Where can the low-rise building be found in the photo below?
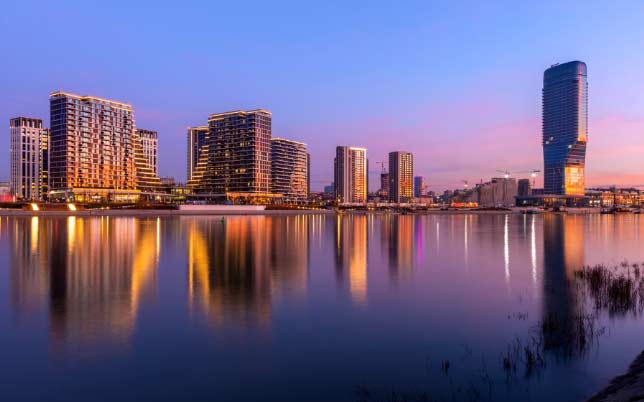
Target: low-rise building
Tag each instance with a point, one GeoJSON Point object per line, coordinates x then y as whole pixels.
{"type": "Point", "coordinates": [5, 192]}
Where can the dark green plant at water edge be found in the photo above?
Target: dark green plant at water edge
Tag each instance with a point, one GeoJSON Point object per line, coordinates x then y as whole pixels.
{"type": "Point", "coordinates": [618, 289]}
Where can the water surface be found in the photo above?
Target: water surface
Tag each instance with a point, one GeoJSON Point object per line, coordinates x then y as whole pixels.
{"type": "Point", "coordinates": [294, 308]}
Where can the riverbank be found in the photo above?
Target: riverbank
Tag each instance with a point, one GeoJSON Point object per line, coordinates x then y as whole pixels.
{"type": "Point", "coordinates": [164, 212]}
{"type": "Point", "coordinates": [271, 212]}
{"type": "Point", "coordinates": [628, 387]}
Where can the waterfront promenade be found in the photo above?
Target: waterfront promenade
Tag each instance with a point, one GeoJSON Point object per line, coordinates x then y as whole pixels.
{"type": "Point", "coordinates": [272, 212]}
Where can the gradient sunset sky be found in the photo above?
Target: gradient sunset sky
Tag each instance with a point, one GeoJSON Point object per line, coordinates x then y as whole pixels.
{"type": "Point", "coordinates": [459, 85]}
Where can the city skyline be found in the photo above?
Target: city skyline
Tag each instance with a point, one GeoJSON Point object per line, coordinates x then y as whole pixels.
{"type": "Point", "coordinates": [497, 89]}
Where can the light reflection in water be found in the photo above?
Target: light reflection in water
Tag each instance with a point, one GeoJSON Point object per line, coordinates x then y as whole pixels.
{"type": "Point", "coordinates": [466, 241]}
{"type": "Point", "coordinates": [92, 278]}
{"type": "Point", "coordinates": [533, 249]}
{"type": "Point", "coordinates": [563, 243]}
{"type": "Point", "coordinates": [351, 255]}
{"type": "Point", "coordinates": [237, 265]}
{"type": "Point", "coordinates": [95, 278]}
{"type": "Point", "coordinates": [71, 234]}
{"type": "Point", "coordinates": [506, 249]}
{"type": "Point", "coordinates": [34, 234]}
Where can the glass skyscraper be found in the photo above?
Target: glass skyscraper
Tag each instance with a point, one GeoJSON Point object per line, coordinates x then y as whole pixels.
{"type": "Point", "coordinates": [565, 128]}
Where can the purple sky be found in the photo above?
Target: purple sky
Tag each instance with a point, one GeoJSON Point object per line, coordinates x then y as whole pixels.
{"type": "Point", "coordinates": [459, 85]}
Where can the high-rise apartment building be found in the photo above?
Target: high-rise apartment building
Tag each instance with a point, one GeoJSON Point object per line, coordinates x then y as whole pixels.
{"type": "Point", "coordinates": [308, 174]}
{"type": "Point", "coordinates": [350, 174]}
{"type": "Point", "coordinates": [401, 174]}
{"type": "Point", "coordinates": [197, 145]}
{"type": "Point", "coordinates": [29, 158]}
{"type": "Point", "coordinates": [150, 148]}
{"type": "Point", "coordinates": [289, 169]}
{"type": "Point", "coordinates": [565, 128]}
{"type": "Point", "coordinates": [420, 188]}
{"type": "Point", "coordinates": [92, 149]}
{"type": "Point", "coordinates": [237, 162]}
{"type": "Point", "coordinates": [145, 160]}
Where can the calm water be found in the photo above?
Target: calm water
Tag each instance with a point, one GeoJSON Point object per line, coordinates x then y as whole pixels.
{"type": "Point", "coordinates": [298, 308]}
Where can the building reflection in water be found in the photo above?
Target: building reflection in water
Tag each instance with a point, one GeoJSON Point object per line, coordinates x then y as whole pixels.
{"type": "Point", "coordinates": [399, 238]}
{"type": "Point", "coordinates": [29, 278]}
{"type": "Point", "coordinates": [563, 254]}
{"type": "Point", "coordinates": [237, 265]}
{"type": "Point", "coordinates": [93, 273]}
{"type": "Point", "coordinates": [351, 255]}
{"type": "Point", "coordinates": [533, 248]}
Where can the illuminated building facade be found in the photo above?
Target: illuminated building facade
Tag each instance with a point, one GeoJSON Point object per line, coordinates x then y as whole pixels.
{"type": "Point", "coordinates": [237, 161]}
{"type": "Point", "coordinates": [5, 192]}
{"type": "Point", "coordinates": [29, 158]}
{"type": "Point", "coordinates": [197, 144]}
{"type": "Point", "coordinates": [92, 147]}
{"type": "Point", "coordinates": [145, 161]}
{"type": "Point", "coordinates": [565, 128]}
{"type": "Point", "coordinates": [150, 146]}
{"type": "Point", "coordinates": [401, 176]}
{"type": "Point", "coordinates": [289, 169]}
{"type": "Point", "coordinates": [308, 174]}
{"type": "Point", "coordinates": [350, 174]}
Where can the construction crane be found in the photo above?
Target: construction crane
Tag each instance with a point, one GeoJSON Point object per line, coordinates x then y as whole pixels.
{"type": "Point", "coordinates": [382, 164]}
{"type": "Point", "coordinates": [533, 174]}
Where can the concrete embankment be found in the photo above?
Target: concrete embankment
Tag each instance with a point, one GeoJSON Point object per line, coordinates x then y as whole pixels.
{"type": "Point", "coordinates": [625, 388]}
{"type": "Point", "coordinates": [163, 212]}
{"type": "Point", "coordinates": [269, 212]}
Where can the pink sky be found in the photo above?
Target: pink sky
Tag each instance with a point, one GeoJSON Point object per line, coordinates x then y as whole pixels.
{"type": "Point", "coordinates": [470, 141]}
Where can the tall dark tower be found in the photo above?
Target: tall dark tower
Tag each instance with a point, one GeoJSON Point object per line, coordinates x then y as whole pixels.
{"type": "Point", "coordinates": [565, 128]}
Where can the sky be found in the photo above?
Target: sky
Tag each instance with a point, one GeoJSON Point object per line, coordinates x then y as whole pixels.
{"type": "Point", "coordinates": [456, 83]}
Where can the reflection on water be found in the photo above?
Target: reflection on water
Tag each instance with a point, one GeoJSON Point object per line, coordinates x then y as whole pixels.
{"type": "Point", "coordinates": [384, 289]}
{"type": "Point", "coordinates": [563, 237]}
{"type": "Point", "coordinates": [351, 255]}
{"type": "Point", "coordinates": [398, 244]}
{"type": "Point", "coordinates": [92, 273]}
{"type": "Point", "coordinates": [235, 266]}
